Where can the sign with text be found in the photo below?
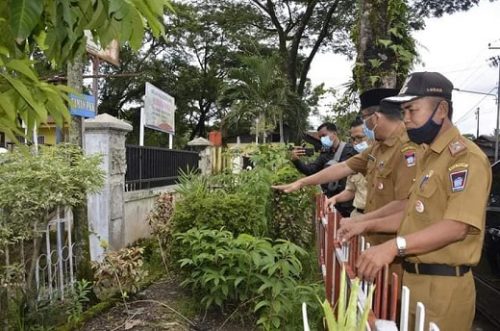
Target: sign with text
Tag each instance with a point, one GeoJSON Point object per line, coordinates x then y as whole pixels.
{"type": "Point", "coordinates": [159, 110]}
{"type": "Point", "coordinates": [82, 105]}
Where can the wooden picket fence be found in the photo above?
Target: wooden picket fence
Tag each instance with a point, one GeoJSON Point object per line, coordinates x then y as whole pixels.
{"type": "Point", "coordinates": [333, 256]}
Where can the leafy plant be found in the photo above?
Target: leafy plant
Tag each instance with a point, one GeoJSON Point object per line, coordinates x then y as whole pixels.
{"type": "Point", "coordinates": [240, 203]}
{"type": "Point", "coordinates": [349, 317]}
{"type": "Point", "coordinates": [34, 185]}
{"type": "Point", "coordinates": [292, 212]}
{"type": "Point", "coordinates": [57, 29]}
{"type": "Point", "coordinates": [223, 270]}
{"type": "Point", "coordinates": [159, 219]}
{"type": "Point", "coordinates": [78, 299]}
{"type": "Point", "coordinates": [119, 270]}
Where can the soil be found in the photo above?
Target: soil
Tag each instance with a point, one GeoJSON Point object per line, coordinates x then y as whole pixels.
{"type": "Point", "coordinates": [164, 305]}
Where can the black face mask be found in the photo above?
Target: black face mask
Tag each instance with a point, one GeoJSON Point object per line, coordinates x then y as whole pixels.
{"type": "Point", "coordinates": [427, 132]}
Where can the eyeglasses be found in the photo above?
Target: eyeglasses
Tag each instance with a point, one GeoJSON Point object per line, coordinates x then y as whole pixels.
{"type": "Point", "coordinates": [366, 116]}
{"type": "Point", "coordinates": [358, 139]}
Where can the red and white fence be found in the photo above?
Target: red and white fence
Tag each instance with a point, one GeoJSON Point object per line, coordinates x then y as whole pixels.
{"type": "Point", "coordinates": [333, 256]}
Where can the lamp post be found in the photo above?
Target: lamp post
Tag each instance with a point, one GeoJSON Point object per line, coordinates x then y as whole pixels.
{"type": "Point", "coordinates": [498, 107]}
{"type": "Point", "coordinates": [498, 113]}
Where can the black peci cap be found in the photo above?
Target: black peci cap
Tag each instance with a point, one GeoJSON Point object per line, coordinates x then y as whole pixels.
{"type": "Point", "coordinates": [423, 84]}
{"type": "Point", "coordinates": [390, 108]}
{"type": "Point", "coordinates": [373, 97]}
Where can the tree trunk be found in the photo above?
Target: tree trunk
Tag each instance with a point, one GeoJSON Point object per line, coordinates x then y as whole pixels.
{"type": "Point", "coordinates": [373, 25]}
{"type": "Point", "coordinates": [282, 133]}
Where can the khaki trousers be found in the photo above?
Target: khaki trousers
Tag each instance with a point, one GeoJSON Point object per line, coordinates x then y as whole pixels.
{"type": "Point", "coordinates": [449, 301]}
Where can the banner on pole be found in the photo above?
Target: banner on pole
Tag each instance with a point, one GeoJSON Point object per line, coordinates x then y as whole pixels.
{"type": "Point", "coordinates": [159, 110]}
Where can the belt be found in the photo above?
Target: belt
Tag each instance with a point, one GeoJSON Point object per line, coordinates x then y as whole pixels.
{"type": "Point", "coordinates": [359, 210]}
{"type": "Point", "coordinates": [435, 269]}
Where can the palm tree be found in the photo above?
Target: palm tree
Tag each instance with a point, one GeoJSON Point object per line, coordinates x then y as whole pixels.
{"type": "Point", "coordinates": [258, 90]}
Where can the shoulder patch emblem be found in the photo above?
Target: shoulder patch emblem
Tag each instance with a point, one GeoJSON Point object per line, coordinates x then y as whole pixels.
{"type": "Point", "coordinates": [458, 165]}
{"type": "Point", "coordinates": [456, 147]}
{"type": "Point", "coordinates": [410, 158]}
{"type": "Point", "coordinates": [458, 180]}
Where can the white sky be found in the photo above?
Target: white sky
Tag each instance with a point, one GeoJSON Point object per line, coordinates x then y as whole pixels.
{"type": "Point", "coordinates": [455, 45]}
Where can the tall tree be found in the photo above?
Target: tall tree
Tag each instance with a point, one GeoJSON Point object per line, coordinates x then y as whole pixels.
{"type": "Point", "coordinates": [258, 89]}
{"type": "Point", "coordinates": [57, 28]}
{"type": "Point", "coordinates": [191, 63]}
{"type": "Point", "coordinates": [301, 29]}
{"type": "Point", "coordinates": [385, 49]}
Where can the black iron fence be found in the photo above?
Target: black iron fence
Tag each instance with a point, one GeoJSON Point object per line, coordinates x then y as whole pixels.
{"type": "Point", "coordinates": [149, 167]}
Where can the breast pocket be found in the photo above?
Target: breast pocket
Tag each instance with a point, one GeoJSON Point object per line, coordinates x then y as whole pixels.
{"type": "Point", "coordinates": [384, 184]}
{"type": "Point", "coordinates": [426, 200]}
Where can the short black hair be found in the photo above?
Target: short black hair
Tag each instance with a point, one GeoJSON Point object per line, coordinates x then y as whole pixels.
{"type": "Point", "coordinates": [329, 126]}
{"type": "Point", "coordinates": [357, 122]}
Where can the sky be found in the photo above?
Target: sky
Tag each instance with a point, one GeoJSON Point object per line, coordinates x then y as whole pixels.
{"type": "Point", "coordinates": [454, 45]}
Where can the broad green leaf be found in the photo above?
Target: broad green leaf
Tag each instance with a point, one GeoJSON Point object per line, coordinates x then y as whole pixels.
{"type": "Point", "coordinates": [385, 42]}
{"type": "Point", "coordinates": [7, 104]}
{"type": "Point", "coordinates": [331, 324]}
{"type": "Point", "coordinates": [98, 17]}
{"type": "Point", "coordinates": [19, 86]}
{"type": "Point", "coordinates": [25, 15]}
{"type": "Point", "coordinates": [352, 307]}
{"type": "Point", "coordinates": [261, 304]}
{"type": "Point", "coordinates": [22, 66]}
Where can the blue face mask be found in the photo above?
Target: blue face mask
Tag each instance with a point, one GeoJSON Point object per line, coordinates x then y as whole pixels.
{"type": "Point", "coordinates": [326, 142]}
{"type": "Point", "coordinates": [361, 146]}
{"type": "Point", "coordinates": [369, 133]}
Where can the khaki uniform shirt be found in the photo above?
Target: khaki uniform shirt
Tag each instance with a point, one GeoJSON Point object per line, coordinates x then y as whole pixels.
{"type": "Point", "coordinates": [453, 182]}
{"type": "Point", "coordinates": [357, 183]}
{"type": "Point", "coordinates": [389, 167]}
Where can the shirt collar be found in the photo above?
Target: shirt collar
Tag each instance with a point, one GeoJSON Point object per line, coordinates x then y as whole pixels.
{"type": "Point", "coordinates": [444, 139]}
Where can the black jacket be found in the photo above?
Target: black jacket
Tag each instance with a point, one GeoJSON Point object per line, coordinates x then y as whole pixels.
{"type": "Point", "coordinates": [321, 162]}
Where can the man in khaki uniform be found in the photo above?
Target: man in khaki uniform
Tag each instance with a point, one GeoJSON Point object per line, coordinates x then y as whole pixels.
{"type": "Point", "coordinates": [441, 231]}
{"type": "Point", "coordinates": [389, 164]}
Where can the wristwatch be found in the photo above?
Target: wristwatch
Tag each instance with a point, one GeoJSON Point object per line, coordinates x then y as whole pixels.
{"type": "Point", "coordinates": [401, 244]}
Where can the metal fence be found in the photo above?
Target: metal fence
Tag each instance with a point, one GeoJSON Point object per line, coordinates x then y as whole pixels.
{"type": "Point", "coordinates": [149, 167]}
{"type": "Point", "coordinates": [333, 257]}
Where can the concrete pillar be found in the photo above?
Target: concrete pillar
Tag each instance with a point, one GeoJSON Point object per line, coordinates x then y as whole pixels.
{"type": "Point", "coordinates": [106, 135]}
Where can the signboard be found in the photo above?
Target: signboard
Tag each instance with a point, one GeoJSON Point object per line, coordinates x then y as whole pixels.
{"type": "Point", "coordinates": [82, 105]}
{"type": "Point", "coordinates": [110, 54]}
{"type": "Point", "coordinates": [159, 110]}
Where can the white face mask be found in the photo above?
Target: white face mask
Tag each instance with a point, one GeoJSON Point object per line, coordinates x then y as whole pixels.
{"type": "Point", "coordinates": [361, 146]}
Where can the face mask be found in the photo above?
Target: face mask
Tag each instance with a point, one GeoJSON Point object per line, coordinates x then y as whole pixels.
{"type": "Point", "coordinates": [361, 146]}
{"type": "Point", "coordinates": [369, 133]}
{"type": "Point", "coordinates": [326, 142]}
{"type": "Point", "coordinates": [427, 132]}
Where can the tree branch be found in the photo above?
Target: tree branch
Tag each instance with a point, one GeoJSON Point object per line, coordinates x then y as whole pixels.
{"type": "Point", "coordinates": [321, 37]}
{"type": "Point", "coordinates": [294, 49]}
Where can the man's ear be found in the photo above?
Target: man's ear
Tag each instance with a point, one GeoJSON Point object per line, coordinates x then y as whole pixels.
{"type": "Point", "coordinates": [443, 109]}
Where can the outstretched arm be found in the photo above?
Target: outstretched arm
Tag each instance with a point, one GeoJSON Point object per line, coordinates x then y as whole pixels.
{"type": "Point", "coordinates": [329, 174]}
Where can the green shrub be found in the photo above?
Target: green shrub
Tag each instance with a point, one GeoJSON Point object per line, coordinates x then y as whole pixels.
{"type": "Point", "coordinates": [292, 212]}
{"type": "Point", "coordinates": [223, 270]}
{"type": "Point", "coordinates": [240, 203]}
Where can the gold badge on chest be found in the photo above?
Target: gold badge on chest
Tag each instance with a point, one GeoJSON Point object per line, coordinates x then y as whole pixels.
{"type": "Point", "coordinates": [419, 206]}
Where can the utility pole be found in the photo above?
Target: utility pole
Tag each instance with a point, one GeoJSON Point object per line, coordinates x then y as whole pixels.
{"type": "Point", "coordinates": [498, 107]}
{"type": "Point", "coordinates": [477, 116]}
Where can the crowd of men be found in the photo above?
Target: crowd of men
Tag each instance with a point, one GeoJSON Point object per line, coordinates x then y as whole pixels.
{"type": "Point", "coordinates": [419, 191]}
